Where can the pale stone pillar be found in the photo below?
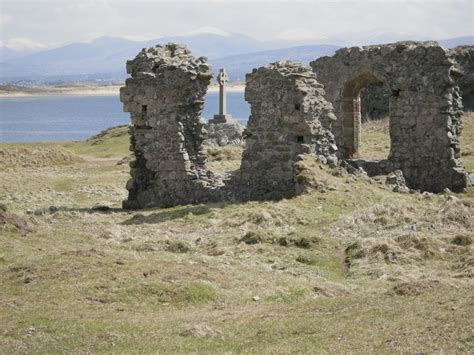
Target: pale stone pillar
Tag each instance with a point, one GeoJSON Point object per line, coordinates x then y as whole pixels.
{"type": "Point", "coordinates": [222, 117]}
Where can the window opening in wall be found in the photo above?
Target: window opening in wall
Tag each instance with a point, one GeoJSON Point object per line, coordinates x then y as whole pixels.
{"type": "Point", "coordinates": [365, 114]}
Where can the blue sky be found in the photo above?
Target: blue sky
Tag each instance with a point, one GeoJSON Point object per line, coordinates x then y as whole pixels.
{"type": "Point", "coordinates": [53, 22]}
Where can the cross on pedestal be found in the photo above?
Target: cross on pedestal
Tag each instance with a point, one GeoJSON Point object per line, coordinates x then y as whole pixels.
{"type": "Point", "coordinates": [222, 117]}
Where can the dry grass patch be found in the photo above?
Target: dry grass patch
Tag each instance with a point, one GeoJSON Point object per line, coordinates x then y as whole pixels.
{"type": "Point", "coordinates": [375, 140]}
{"type": "Point", "coordinates": [329, 268]}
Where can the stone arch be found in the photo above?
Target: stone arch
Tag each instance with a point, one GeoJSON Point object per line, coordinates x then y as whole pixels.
{"type": "Point", "coordinates": [425, 109]}
{"type": "Point", "coordinates": [350, 111]}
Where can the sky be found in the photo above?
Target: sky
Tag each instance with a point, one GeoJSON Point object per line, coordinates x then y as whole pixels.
{"type": "Point", "coordinates": [46, 23]}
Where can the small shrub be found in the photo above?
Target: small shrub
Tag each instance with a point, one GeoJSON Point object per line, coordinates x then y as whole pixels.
{"type": "Point", "coordinates": [293, 294]}
{"type": "Point", "coordinates": [462, 240]}
{"type": "Point", "coordinates": [306, 260]}
{"type": "Point", "coordinates": [410, 289]}
{"type": "Point", "coordinates": [178, 247]}
{"type": "Point", "coordinates": [303, 243]}
{"type": "Point", "coordinates": [251, 238]}
{"type": "Point", "coordinates": [194, 293]}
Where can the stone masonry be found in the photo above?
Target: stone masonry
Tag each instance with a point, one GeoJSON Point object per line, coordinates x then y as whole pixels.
{"type": "Point", "coordinates": [375, 98]}
{"type": "Point", "coordinates": [374, 101]}
{"type": "Point", "coordinates": [289, 116]}
{"type": "Point", "coordinates": [165, 98]}
{"type": "Point", "coordinates": [425, 109]}
{"type": "Point", "coordinates": [225, 133]}
{"type": "Point", "coordinates": [464, 57]}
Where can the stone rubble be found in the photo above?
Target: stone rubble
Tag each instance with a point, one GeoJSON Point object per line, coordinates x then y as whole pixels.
{"type": "Point", "coordinates": [225, 133]}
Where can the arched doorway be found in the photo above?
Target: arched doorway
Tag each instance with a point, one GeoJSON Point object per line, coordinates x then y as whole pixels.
{"type": "Point", "coordinates": [351, 112]}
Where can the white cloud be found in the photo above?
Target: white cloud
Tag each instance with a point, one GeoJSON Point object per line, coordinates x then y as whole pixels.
{"type": "Point", "coordinates": [22, 44]}
{"type": "Point", "coordinates": [210, 30]}
{"type": "Point", "coordinates": [5, 19]}
{"type": "Point", "coordinates": [47, 21]}
{"type": "Point", "coordinates": [143, 37]}
{"type": "Point", "coordinates": [299, 34]}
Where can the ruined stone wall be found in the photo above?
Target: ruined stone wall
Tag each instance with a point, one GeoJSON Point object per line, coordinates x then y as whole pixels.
{"type": "Point", "coordinates": [165, 97]}
{"type": "Point", "coordinates": [289, 116]}
{"type": "Point", "coordinates": [464, 57]}
{"type": "Point", "coordinates": [425, 108]}
{"type": "Point", "coordinates": [224, 133]}
{"type": "Point", "coordinates": [374, 102]}
{"type": "Point", "coordinates": [375, 98]}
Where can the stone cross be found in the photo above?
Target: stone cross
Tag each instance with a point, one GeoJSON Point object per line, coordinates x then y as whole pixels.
{"type": "Point", "coordinates": [222, 117]}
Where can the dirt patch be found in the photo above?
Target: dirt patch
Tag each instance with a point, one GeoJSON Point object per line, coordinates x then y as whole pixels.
{"type": "Point", "coordinates": [330, 291]}
{"type": "Point", "coordinates": [465, 267]}
{"type": "Point", "coordinates": [412, 288]}
{"type": "Point", "coordinates": [201, 331]}
{"type": "Point", "coordinates": [9, 220]}
{"type": "Point", "coordinates": [178, 247]}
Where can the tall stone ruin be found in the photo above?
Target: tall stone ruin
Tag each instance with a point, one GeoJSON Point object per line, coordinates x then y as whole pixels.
{"type": "Point", "coordinates": [289, 116]}
{"type": "Point", "coordinates": [165, 97]}
{"type": "Point", "coordinates": [424, 109]}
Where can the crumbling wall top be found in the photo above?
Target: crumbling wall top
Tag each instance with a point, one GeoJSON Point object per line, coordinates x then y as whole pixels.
{"type": "Point", "coordinates": [160, 58]}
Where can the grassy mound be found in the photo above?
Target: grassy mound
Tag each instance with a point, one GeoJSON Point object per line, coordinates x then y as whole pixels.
{"type": "Point", "coordinates": [31, 156]}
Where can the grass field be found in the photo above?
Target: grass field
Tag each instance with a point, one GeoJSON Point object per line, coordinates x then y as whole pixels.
{"type": "Point", "coordinates": [352, 268]}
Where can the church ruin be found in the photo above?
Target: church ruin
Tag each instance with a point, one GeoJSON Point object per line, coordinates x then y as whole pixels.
{"type": "Point", "coordinates": [291, 113]}
{"type": "Point", "coordinates": [424, 109]}
{"type": "Point", "coordinates": [165, 97]}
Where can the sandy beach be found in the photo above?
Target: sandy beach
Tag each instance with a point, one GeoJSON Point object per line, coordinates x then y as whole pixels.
{"type": "Point", "coordinates": [82, 90]}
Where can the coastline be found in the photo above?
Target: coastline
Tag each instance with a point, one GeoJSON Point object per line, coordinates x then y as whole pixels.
{"type": "Point", "coordinates": [85, 90]}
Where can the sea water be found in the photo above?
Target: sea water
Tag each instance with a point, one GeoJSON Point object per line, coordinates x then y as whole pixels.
{"type": "Point", "coordinates": [52, 118]}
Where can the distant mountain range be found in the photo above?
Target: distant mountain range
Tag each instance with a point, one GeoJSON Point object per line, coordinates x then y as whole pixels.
{"type": "Point", "coordinates": [103, 60]}
{"type": "Point", "coordinates": [240, 64]}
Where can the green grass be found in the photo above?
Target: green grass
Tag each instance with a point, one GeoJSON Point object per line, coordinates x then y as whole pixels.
{"type": "Point", "coordinates": [144, 281]}
{"type": "Point", "coordinates": [116, 144]}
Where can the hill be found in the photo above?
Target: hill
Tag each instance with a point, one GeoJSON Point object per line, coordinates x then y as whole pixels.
{"type": "Point", "coordinates": [103, 60]}
{"type": "Point", "coordinates": [240, 64]}
{"type": "Point", "coordinates": [349, 267]}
